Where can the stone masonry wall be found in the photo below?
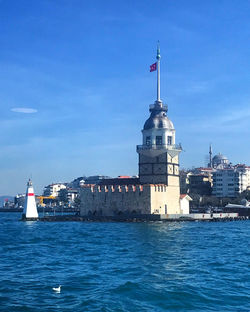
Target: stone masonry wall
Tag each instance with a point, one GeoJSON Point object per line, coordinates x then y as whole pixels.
{"type": "Point", "coordinates": [165, 200]}
{"type": "Point", "coordinates": [112, 200]}
{"type": "Point", "coordinates": [139, 199]}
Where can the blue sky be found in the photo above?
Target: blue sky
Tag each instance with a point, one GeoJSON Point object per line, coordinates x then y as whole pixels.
{"type": "Point", "coordinates": [82, 70]}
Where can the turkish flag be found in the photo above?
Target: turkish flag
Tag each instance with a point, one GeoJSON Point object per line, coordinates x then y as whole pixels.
{"type": "Point", "coordinates": [153, 67]}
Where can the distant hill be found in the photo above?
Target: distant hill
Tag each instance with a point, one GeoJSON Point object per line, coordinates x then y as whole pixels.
{"type": "Point", "coordinates": [2, 198]}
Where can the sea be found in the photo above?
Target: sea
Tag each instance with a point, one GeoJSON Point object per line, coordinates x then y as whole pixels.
{"type": "Point", "coordinates": [111, 266]}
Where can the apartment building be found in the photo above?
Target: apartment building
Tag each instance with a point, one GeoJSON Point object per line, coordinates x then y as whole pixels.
{"type": "Point", "coordinates": [229, 182]}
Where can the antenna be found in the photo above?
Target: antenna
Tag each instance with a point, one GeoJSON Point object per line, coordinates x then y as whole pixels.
{"type": "Point", "coordinates": [158, 57]}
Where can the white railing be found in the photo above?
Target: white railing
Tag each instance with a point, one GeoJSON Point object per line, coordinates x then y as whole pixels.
{"type": "Point", "coordinates": [152, 106]}
{"type": "Point", "coordinates": [159, 147]}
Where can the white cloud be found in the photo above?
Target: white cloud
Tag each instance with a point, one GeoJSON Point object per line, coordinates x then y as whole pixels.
{"type": "Point", "coordinates": [198, 87]}
{"type": "Point", "coordinates": [231, 121]}
{"type": "Point", "coordinates": [236, 115]}
{"type": "Point", "coordinates": [24, 110]}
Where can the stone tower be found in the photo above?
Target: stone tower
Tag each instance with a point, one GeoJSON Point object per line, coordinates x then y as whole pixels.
{"type": "Point", "coordinates": [158, 154]}
{"type": "Point", "coordinates": [156, 194]}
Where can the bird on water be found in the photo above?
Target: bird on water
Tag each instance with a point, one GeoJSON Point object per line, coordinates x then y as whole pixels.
{"type": "Point", "coordinates": [57, 289]}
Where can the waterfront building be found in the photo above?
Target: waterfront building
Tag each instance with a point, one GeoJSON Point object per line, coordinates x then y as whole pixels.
{"type": "Point", "coordinates": [220, 179]}
{"type": "Point", "coordinates": [71, 195]}
{"type": "Point", "coordinates": [95, 179]}
{"type": "Point", "coordinates": [197, 181]}
{"type": "Point", "coordinates": [157, 189]}
{"type": "Point", "coordinates": [76, 183]}
{"type": "Point", "coordinates": [53, 189]}
{"type": "Point", "coordinates": [19, 200]}
{"type": "Point", "coordinates": [184, 181]}
{"type": "Point", "coordinates": [67, 196]}
{"type": "Point", "coordinates": [201, 181]}
{"type": "Point", "coordinates": [184, 203]}
{"type": "Point", "coordinates": [80, 181]}
{"type": "Point", "coordinates": [230, 182]}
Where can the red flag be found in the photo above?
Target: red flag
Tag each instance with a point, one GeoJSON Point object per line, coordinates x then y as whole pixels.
{"type": "Point", "coordinates": [153, 67]}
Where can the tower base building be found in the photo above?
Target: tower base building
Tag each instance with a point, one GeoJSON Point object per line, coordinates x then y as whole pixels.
{"type": "Point", "coordinates": [157, 191]}
{"type": "Point", "coordinates": [127, 200]}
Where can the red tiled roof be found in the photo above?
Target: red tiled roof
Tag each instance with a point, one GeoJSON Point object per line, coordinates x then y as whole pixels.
{"type": "Point", "coordinates": [183, 195]}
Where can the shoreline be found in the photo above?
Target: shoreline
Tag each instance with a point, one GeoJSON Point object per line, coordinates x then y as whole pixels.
{"type": "Point", "coordinates": [155, 218]}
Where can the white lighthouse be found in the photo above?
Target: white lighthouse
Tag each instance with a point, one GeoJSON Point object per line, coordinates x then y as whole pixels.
{"type": "Point", "coordinates": [30, 210]}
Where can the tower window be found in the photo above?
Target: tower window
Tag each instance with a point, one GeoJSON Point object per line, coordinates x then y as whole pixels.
{"type": "Point", "coordinates": [158, 140]}
{"type": "Point", "coordinates": [148, 140]}
{"type": "Point", "coordinates": [169, 140]}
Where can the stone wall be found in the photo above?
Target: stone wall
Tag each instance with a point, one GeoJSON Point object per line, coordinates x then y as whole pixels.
{"type": "Point", "coordinates": [158, 169]}
{"type": "Point", "coordinates": [165, 199]}
{"type": "Point", "coordinates": [112, 200]}
{"type": "Point", "coordinates": [132, 199]}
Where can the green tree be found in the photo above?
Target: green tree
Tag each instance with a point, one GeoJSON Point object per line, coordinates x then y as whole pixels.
{"type": "Point", "coordinates": [77, 202]}
{"type": "Point", "coordinates": [63, 196]}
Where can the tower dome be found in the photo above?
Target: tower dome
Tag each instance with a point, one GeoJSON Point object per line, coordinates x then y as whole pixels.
{"type": "Point", "coordinates": [158, 128]}
{"type": "Point", "coordinates": [158, 119]}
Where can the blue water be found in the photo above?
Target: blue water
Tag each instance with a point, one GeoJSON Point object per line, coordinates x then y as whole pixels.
{"type": "Point", "coordinates": [188, 266]}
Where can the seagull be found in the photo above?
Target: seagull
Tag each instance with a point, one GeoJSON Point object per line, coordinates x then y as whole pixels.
{"type": "Point", "coordinates": [57, 289]}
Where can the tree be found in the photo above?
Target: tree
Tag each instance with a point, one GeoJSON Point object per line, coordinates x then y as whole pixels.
{"type": "Point", "coordinates": [77, 202]}
{"type": "Point", "coordinates": [63, 196]}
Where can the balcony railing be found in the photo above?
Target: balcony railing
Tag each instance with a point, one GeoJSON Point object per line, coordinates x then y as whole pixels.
{"type": "Point", "coordinates": [153, 106]}
{"type": "Point", "coordinates": [159, 147]}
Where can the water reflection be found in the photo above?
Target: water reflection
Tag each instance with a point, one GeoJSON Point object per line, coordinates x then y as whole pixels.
{"type": "Point", "coordinates": [30, 223]}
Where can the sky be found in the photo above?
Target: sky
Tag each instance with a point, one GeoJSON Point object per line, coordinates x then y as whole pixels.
{"type": "Point", "coordinates": [75, 85]}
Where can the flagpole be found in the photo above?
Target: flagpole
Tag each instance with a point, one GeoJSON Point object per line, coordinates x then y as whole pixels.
{"type": "Point", "coordinates": [158, 57]}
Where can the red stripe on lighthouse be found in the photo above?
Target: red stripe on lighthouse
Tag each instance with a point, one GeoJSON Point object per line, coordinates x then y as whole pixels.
{"type": "Point", "coordinates": [30, 194]}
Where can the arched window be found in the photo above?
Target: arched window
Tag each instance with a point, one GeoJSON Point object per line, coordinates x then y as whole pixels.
{"type": "Point", "coordinates": [158, 140]}
{"type": "Point", "coordinates": [169, 140]}
{"type": "Point", "coordinates": [148, 140]}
